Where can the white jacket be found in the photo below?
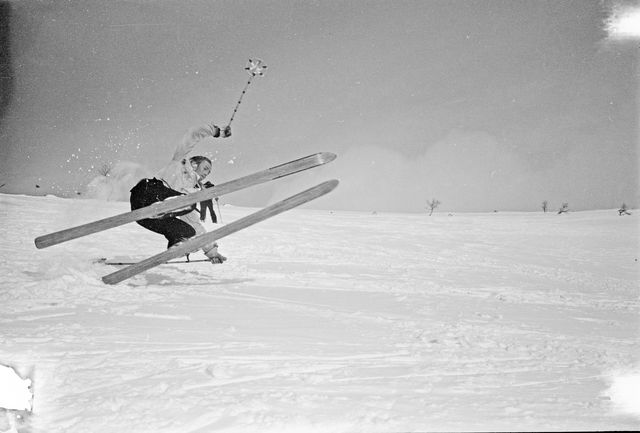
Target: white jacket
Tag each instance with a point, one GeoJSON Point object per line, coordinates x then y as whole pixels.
{"type": "Point", "coordinates": [180, 176]}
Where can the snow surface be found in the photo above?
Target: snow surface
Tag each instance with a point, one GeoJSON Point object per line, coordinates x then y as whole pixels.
{"type": "Point", "coordinates": [327, 322]}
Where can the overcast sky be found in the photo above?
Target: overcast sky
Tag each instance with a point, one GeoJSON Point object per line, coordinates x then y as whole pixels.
{"type": "Point", "coordinates": [483, 105]}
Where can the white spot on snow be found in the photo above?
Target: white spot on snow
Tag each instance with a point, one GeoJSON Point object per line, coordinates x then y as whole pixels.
{"type": "Point", "coordinates": [624, 392]}
{"type": "Point", "coordinates": [15, 392]}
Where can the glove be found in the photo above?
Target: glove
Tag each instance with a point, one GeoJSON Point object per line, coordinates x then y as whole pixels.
{"type": "Point", "coordinates": [215, 131]}
{"type": "Point", "coordinates": [227, 131]}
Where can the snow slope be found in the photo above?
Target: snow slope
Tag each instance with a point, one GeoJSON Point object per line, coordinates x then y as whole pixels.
{"type": "Point", "coordinates": [327, 322]}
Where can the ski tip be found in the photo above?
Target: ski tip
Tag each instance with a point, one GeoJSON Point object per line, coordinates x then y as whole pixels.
{"type": "Point", "coordinates": [320, 189]}
{"type": "Point", "coordinates": [330, 185]}
{"type": "Point", "coordinates": [326, 157]}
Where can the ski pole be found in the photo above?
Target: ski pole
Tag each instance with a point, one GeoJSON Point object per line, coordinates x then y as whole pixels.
{"type": "Point", "coordinates": [254, 67]}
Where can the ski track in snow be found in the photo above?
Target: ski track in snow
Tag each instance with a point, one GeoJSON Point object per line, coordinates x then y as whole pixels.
{"type": "Point", "coordinates": [326, 321]}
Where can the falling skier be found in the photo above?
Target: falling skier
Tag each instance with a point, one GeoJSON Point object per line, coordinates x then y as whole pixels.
{"type": "Point", "coordinates": [180, 176]}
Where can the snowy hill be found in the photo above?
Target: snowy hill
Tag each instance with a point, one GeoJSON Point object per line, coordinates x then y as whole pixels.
{"type": "Point", "coordinates": [327, 322]}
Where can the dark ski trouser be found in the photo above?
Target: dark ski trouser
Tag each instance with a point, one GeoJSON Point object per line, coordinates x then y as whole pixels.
{"type": "Point", "coordinates": [174, 229]}
{"type": "Point", "coordinates": [149, 191]}
{"type": "Point", "coordinates": [204, 205]}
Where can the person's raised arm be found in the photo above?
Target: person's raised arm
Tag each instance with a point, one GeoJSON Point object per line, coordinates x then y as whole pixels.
{"type": "Point", "coordinates": [195, 135]}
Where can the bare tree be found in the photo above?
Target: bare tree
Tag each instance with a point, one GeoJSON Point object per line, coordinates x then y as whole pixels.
{"type": "Point", "coordinates": [623, 210]}
{"type": "Point", "coordinates": [432, 205]}
{"type": "Point", "coordinates": [105, 169]}
{"type": "Point", "coordinates": [564, 208]}
{"type": "Point", "coordinates": [545, 206]}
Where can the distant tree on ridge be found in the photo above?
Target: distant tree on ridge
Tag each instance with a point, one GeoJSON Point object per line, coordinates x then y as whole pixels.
{"type": "Point", "coordinates": [432, 205]}
{"type": "Point", "coordinates": [545, 206]}
{"type": "Point", "coordinates": [105, 169]}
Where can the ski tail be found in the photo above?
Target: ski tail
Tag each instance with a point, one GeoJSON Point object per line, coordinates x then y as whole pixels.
{"type": "Point", "coordinates": [196, 243]}
{"type": "Point", "coordinates": [65, 235]}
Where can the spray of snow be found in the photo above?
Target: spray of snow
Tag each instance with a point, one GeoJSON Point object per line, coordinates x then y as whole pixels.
{"type": "Point", "coordinates": [115, 185]}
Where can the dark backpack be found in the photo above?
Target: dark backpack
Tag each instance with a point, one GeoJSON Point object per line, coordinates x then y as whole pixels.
{"type": "Point", "coordinates": [149, 191]}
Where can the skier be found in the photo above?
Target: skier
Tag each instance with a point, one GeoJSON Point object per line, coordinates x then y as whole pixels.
{"type": "Point", "coordinates": [207, 204]}
{"type": "Point", "coordinates": [180, 176]}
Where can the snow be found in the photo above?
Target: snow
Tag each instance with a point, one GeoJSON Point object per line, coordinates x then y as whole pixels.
{"type": "Point", "coordinates": [15, 393]}
{"type": "Point", "coordinates": [327, 321]}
